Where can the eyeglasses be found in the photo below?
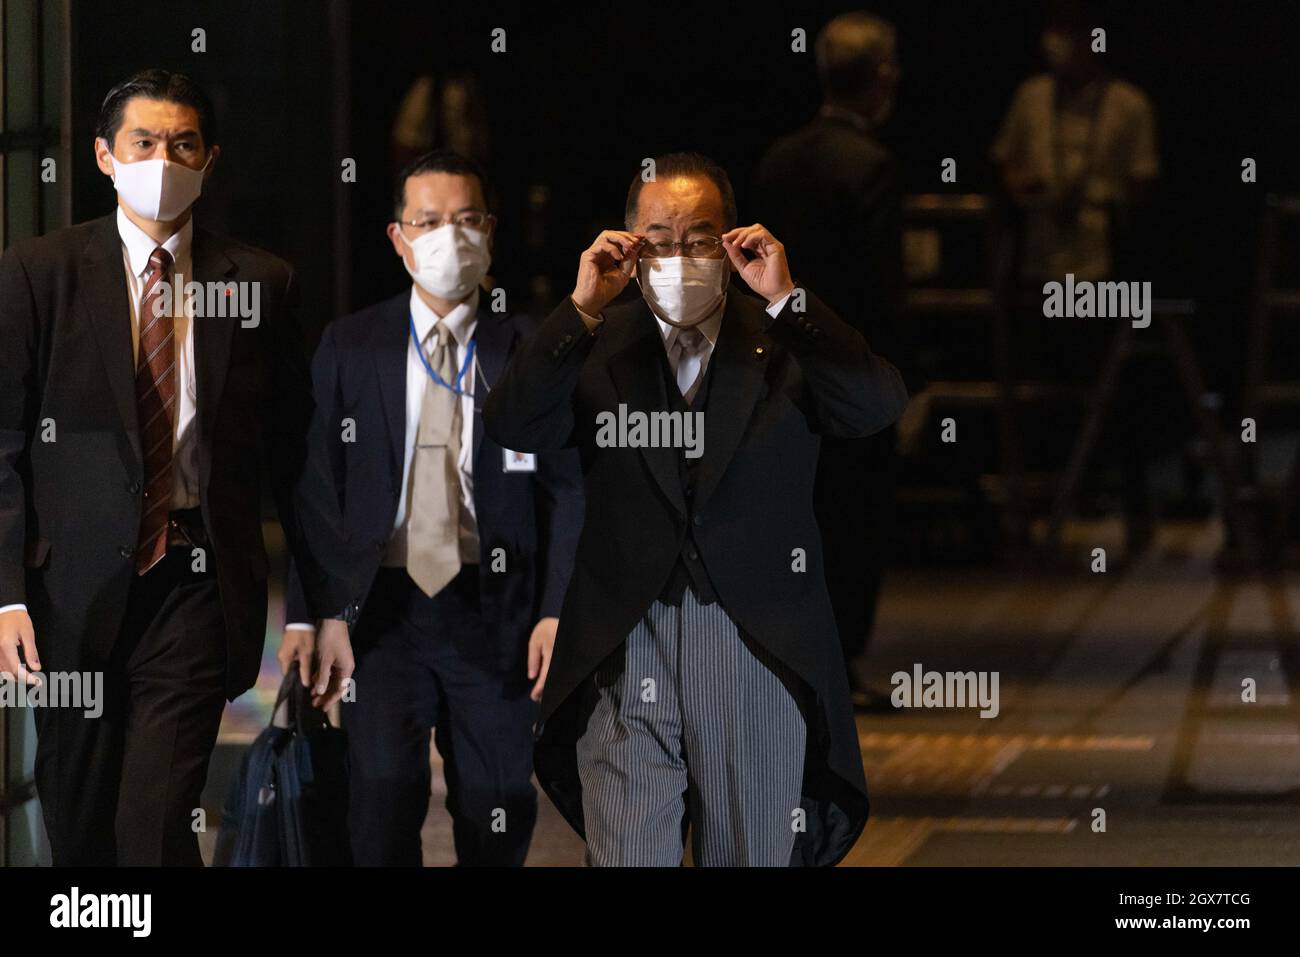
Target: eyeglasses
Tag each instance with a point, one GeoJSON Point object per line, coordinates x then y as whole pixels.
{"type": "Point", "coordinates": [709, 247]}
{"type": "Point", "coordinates": [471, 220]}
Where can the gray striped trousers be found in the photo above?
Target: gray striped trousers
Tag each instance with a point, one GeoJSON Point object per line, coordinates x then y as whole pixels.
{"type": "Point", "coordinates": [688, 718]}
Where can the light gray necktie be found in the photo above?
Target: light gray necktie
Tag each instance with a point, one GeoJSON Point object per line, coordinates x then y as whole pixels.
{"type": "Point", "coordinates": [689, 347]}
{"type": "Point", "coordinates": [433, 526]}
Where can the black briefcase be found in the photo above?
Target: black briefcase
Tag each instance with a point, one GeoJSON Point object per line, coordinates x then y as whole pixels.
{"type": "Point", "coordinates": [288, 805]}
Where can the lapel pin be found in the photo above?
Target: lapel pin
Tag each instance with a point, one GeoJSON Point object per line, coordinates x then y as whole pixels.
{"type": "Point", "coordinates": [759, 352]}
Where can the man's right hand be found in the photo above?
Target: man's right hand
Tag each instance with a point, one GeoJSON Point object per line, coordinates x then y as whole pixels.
{"type": "Point", "coordinates": [604, 270]}
{"type": "Point", "coordinates": [297, 645]}
{"type": "Point", "coordinates": [16, 632]}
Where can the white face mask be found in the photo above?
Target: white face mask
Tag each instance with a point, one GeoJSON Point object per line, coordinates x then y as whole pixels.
{"type": "Point", "coordinates": [681, 291]}
{"type": "Point", "coordinates": [157, 189]}
{"type": "Point", "coordinates": [450, 260]}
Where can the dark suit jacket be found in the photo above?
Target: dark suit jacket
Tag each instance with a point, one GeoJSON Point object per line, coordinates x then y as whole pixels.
{"type": "Point", "coordinates": [70, 508]}
{"type": "Point", "coordinates": [777, 384]}
{"type": "Point", "coordinates": [833, 195]}
{"type": "Point", "coordinates": [359, 372]}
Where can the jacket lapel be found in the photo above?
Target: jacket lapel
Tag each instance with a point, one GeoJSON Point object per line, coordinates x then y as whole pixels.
{"type": "Point", "coordinates": [103, 303]}
{"type": "Point", "coordinates": [738, 367]}
{"type": "Point", "coordinates": [636, 368]}
{"type": "Point", "coordinates": [213, 336]}
{"type": "Point", "coordinates": [391, 338]}
{"type": "Point", "coordinates": [495, 336]}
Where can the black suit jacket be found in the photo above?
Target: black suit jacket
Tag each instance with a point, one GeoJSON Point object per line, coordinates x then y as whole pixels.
{"type": "Point", "coordinates": [777, 384]}
{"type": "Point", "coordinates": [70, 508]}
{"type": "Point", "coordinates": [359, 372]}
{"type": "Point", "coordinates": [833, 195]}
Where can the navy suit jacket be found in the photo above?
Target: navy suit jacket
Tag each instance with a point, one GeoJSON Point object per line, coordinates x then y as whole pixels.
{"type": "Point", "coordinates": [532, 518]}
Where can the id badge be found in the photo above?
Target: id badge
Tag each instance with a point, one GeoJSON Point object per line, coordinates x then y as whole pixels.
{"type": "Point", "coordinates": [519, 461]}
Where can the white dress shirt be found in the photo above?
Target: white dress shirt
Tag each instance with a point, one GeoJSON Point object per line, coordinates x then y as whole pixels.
{"type": "Point", "coordinates": [137, 247]}
{"type": "Point", "coordinates": [462, 321]}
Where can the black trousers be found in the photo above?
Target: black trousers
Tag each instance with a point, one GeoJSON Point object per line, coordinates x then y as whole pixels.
{"type": "Point", "coordinates": [854, 503]}
{"type": "Point", "coordinates": [123, 787]}
{"type": "Point", "coordinates": [428, 663]}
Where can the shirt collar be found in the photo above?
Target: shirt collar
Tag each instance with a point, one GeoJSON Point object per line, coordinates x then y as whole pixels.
{"type": "Point", "coordinates": [140, 245]}
{"type": "Point", "coordinates": [462, 320]}
{"type": "Point", "coordinates": [709, 327]}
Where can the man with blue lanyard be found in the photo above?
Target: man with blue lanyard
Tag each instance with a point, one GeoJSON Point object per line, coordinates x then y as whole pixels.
{"type": "Point", "coordinates": [461, 549]}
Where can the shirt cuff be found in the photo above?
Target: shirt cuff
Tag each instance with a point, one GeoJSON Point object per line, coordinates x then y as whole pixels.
{"type": "Point", "coordinates": [299, 626]}
{"type": "Point", "coordinates": [18, 607]}
{"type": "Point", "coordinates": [774, 308]}
{"type": "Point", "coordinates": [591, 322]}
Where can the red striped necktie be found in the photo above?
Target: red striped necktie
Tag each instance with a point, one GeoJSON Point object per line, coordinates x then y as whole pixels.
{"type": "Point", "coordinates": [155, 397]}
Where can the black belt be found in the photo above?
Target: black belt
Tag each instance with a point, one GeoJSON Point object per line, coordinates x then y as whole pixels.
{"type": "Point", "coordinates": [185, 528]}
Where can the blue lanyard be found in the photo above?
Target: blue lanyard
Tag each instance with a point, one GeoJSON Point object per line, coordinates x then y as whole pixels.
{"type": "Point", "coordinates": [460, 377]}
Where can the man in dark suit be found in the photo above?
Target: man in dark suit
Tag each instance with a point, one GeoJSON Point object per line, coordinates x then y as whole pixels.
{"type": "Point", "coordinates": [834, 194]}
{"type": "Point", "coordinates": [133, 428]}
{"type": "Point", "coordinates": [460, 549]}
{"type": "Point", "coordinates": [697, 674]}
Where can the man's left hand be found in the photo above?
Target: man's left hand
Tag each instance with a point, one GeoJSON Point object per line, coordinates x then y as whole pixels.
{"type": "Point", "coordinates": [540, 644]}
{"type": "Point", "coordinates": [768, 273]}
{"type": "Point", "coordinates": [334, 670]}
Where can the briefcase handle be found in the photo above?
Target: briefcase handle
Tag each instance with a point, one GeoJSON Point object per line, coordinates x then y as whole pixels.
{"type": "Point", "coordinates": [293, 707]}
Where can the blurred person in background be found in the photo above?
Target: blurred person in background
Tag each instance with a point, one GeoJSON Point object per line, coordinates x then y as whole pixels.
{"type": "Point", "coordinates": [834, 193]}
{"type": "Point", "coordinates": [1078, 161]}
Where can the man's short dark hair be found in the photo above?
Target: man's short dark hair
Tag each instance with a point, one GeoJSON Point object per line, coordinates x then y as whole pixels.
{"type": "Point", "coordinates": [669, 165]}
{"type": "Point", "coordinates": [156, 85]}
{"type": "Point", "coordinates": [440, 161]}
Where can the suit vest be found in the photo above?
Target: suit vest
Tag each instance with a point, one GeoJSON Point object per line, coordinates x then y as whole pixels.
{"type": "Point", "coordinates": [689, 570]}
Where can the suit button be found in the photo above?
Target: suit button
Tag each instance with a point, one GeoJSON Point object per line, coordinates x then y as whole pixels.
{"type": "Point", "coordinates": [568, 339]}
{"type": "Point", "coordinates": [692, 554]}
{"type": "Point", "coordinates": [134, 488]}
{"type": "Point", "coordinates": [126, 551]}
{"type": "Point", "coordinates": [698, 519]}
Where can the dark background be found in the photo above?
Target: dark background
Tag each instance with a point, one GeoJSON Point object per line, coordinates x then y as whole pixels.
{"type": "Point", "coordinates": [584, 92]}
